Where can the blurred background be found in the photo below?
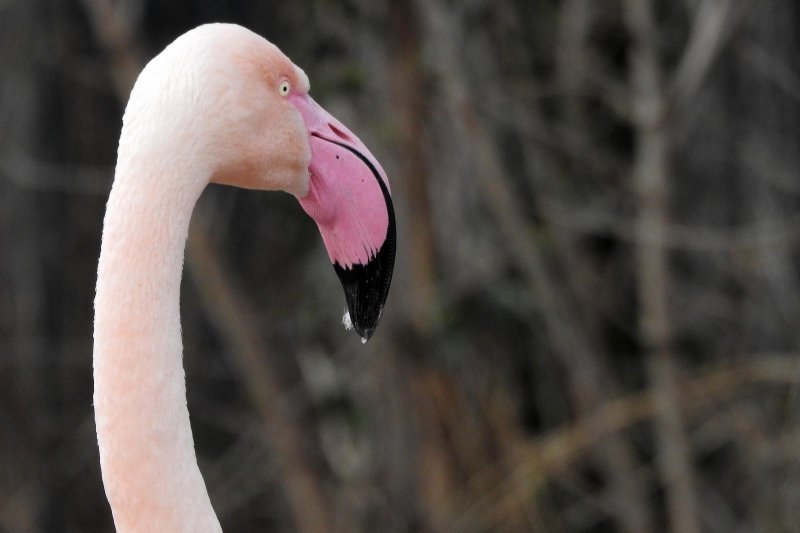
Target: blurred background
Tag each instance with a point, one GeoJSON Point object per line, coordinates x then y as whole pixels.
{"type": "Point", "coordinates": [593, 324]}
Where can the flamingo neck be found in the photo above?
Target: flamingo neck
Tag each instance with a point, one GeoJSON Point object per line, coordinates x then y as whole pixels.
{"type": "Point", "coordinates": [147, 455]}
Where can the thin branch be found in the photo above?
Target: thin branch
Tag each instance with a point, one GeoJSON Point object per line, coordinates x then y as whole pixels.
{"type": "Point", "coordinates": [407, 78]}
{"type": "Point", "coordinates": [27, 172]}
{"type": "Point", "coordinates": [227, 310]}
{"type": "Point", "coordinates": [712, 26]}
{"type": "Point", "coordinates": [116, 35]}
{"type": "Point", "coordinates": [71, 456]}
{"type": "Point", "coordinates": [651, 176]}
{"type": "Point", "coordinates": [783, 76]}
{"type": "Point", "coordinates": [546, 457]}
{"type": "Point", "coordinates": [594, 221]}
{"type": "Point", "coordinates": [616, 458]}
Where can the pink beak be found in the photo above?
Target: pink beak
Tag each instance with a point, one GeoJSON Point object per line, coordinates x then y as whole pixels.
{"type": "Point", "coordinates": [350, 200]}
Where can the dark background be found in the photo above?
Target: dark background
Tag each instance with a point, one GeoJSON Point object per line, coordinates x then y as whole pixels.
{"type": "Point", "coordinates": [593, 324]}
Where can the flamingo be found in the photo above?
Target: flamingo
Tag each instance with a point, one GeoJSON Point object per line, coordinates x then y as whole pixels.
{"type": "Point", "coordinates": [222, 105]}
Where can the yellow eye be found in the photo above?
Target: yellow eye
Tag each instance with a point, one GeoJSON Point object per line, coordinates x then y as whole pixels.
{"type": "Point", "coordinates": [284, 88]}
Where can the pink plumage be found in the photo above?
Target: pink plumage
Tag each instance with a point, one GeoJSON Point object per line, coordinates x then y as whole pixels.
{"type": "Point", "coordinates": [222, 105]}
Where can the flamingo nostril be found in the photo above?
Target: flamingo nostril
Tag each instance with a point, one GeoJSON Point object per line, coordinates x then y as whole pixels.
{"type": "Point", "coordinates": [339, 133]}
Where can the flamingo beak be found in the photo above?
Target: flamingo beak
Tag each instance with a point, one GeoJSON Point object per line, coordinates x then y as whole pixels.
{"type": "Point", "coordinates": [350, 200]}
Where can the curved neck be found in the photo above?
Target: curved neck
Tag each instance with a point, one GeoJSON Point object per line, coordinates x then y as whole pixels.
{"type": "Point", "coordinates": [147, 456]}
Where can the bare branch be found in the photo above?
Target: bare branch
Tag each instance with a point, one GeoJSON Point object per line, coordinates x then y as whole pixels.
{"type": "Point", "coordinates": [30, 173]}
{"type": "Point", "coordinates": [773, 68]}
{"type": "Point", "coordinates": [117, 38]}
{"type": "Point", "coordinates": [712, 26]}
{"type": "Point", "coordinates": [651, 178]}
{"type": "Point", "coordinates": [600, 221]}
{"type": "Point", "coordinates": [547, 456]}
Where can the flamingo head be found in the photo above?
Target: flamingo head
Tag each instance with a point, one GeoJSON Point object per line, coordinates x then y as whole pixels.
{"type": "Point", "coordinates": [262, 130]}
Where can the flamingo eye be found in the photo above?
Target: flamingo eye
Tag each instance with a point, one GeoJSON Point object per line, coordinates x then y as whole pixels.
{"type": "Point", "coordinates": [284, 88]}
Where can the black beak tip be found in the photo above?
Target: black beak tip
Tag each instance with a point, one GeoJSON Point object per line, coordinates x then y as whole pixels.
{"type": "Point", "coordinates": [366, 287]}
{"type": "Point", "coordinates": [364, 332]}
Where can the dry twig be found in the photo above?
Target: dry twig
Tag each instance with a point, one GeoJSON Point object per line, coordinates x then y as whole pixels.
{"type": "Point", "coordinates": [651, 178]}
{"type": "Point", "coordinates": [546, 457]}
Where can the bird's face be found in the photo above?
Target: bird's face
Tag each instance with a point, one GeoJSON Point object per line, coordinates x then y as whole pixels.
{"type": "Point", "coordinates": [273, 135]}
